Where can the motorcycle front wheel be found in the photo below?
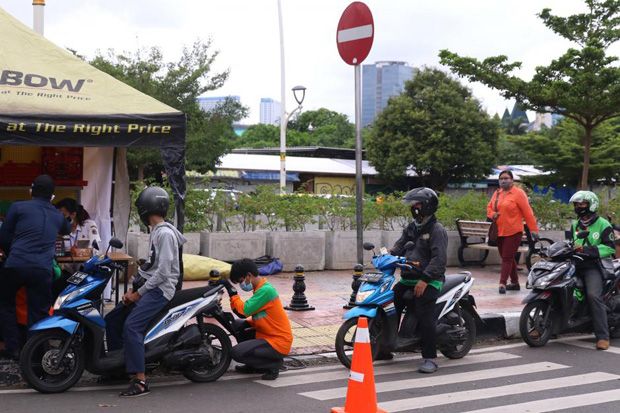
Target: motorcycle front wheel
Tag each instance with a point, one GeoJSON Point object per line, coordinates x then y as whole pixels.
{"type": "Point", "coordinates": [217, 343]}
{"type": "Point", "coordinates": [536, 323]}
{"type": "Point", "coordinates": [345, 339]}
{"type": "Point", "coordinates": [41, 368]}
{"type": "Point", "coordinates": [459, 351]}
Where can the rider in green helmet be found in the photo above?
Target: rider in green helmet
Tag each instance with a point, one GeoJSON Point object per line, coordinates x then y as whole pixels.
{"type": "Point", "coordinates": [598, 244]}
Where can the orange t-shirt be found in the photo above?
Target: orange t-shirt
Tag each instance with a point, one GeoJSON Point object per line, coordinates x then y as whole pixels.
{"type": "Point", "coordinates": [513, 209]}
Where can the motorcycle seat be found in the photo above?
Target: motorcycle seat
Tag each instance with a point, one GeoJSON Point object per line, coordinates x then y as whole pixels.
{"type": "Point", "coordinates": [452, 280]}
{"type": "Point", "coordinates": [185, 296]}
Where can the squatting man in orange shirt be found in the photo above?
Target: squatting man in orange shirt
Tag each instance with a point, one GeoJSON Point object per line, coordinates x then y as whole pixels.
{"type": "Point", "coordinates": [269, 338]}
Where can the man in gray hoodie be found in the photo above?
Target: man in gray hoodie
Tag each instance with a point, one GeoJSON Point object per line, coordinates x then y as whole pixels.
{"type": "Point", "coordinates": [153, 288]}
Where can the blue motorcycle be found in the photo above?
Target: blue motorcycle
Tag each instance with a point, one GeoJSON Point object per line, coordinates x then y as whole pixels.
{"type": "Point", "coordinates": [61, 346]}
{"type": "Point", "coordinates": [455, 308]}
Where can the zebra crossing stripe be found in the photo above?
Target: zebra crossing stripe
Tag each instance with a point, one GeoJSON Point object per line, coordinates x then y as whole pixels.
{"type": "Point", "coordinates": [590, 346]}
{"type": "Point", "coordinates": [394, 367]}
{"type": "Point", "coordinates": [488, 393]}
{"type": "Point", "coordinates": [440, 380]}
{"type": "Point", "coordinates": [556, 404]}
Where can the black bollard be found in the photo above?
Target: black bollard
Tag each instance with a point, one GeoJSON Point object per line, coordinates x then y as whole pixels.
{"type": "Point", "coordinates": [358, 270]}
{"type": "Point", "coordinates": [299, 301]}
{"type": "Point", "coordinates": [214, 278]}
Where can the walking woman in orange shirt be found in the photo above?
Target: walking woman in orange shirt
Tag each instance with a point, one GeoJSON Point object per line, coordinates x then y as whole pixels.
{"type": "Point", "coordinates": [509, 207]}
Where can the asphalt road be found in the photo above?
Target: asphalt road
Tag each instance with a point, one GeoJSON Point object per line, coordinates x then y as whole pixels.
{"type": "Point", "coordinates": [567, 375]}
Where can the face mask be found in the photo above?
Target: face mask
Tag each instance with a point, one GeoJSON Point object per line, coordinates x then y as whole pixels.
{"type": "Point", "coordinates": [246, 286]}
{"type": "Point", "coordinates": [505, 184]}
{"type": "Point", "coordinates": [582, 211]}
{"type": "Point", "coordinates": [416, 213]}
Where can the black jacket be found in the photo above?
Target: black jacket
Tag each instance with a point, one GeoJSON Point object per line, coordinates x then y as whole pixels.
{"type": "Point", "coordinates": [430, 250]}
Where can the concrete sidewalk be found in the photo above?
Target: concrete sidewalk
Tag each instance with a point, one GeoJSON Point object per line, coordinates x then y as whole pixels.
{"type": "Point", "coordinates": [328, 291]}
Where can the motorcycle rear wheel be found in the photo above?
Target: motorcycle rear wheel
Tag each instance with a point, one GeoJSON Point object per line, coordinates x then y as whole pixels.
{"type": "Point", "coordinates": [460, 351]}
{"type": "Point", "coordinates": [345, 339]}
{"type": "Point", "coordinates": [218, 343]}
{"type": "Point", "coordinates": [534, 331]}
{"type": "Point", "coordinates": [42, 371]}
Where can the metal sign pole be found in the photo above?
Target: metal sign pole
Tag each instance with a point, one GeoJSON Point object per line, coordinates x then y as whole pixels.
{"type": "Point", "coordinates": [359, 189]}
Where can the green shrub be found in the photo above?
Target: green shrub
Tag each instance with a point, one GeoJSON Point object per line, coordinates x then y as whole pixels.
{"type": "Point", "coordinates": [471, 206]}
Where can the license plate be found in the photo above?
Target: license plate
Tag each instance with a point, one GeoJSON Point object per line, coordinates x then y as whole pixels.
{"type": "Point", "coordinates": [545, 265]}
{"type": "Point", "coordinates": [77, 278]}
{"type": "Point", "coordinates": [371, 277]}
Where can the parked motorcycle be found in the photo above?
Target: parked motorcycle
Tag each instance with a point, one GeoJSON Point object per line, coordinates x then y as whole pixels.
{"type": "Point", "coordinates": [557, 303]}
{"type": "Point", "coordinates": [61, 346]}
{"type": "Point", "coordinates": [457, 316]}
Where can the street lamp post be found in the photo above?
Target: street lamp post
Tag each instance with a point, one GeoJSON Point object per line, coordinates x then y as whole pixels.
{"type": "Point", "coordinates": [299, 92]}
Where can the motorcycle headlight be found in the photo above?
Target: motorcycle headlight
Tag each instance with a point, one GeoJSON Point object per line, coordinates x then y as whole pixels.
{"type": "Point", "coordinates": [67, 297]}
{"type": "Point", "coordinates": [363, 295]}
{"type": "Point", "coordinates": [544, 280]}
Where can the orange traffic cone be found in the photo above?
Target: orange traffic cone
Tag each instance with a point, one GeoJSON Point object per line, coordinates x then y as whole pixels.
{"type": "Point", "coordinates": [361, 394]}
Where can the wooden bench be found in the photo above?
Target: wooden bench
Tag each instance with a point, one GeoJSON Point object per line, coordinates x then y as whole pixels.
{"type": "Point", "coordinates": [474, 235]}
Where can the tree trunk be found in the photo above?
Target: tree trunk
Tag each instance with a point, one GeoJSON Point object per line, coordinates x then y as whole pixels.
{"type": "Point", "coordinates": [141, 173]}
{"type": "Point", "coordinates": [587, 142]}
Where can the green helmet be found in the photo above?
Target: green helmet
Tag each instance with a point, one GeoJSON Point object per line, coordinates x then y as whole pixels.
{"type": "Point", "coordinates": [586, 196]}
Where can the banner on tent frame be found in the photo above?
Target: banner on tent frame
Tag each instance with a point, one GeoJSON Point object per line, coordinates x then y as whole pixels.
{"type": "Point", "coordinates": [113, 130]}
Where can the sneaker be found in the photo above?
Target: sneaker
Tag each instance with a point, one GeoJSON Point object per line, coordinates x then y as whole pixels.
{"type": "Point", "coordinates": [428, 366]}
{"type": "Point", "coordinates": [8, 355]}
{"type": "Point", "coordinates": [602, 344]}
{"type": "Point", "coordinates": [385, 355]}
{"type": "Point", "coordinates": [271, 374]}
{"type": "Point", "coordinates": [136, 388]}
{"type": "Point", "coordinates": [513, 287]}
{"type": "Point", "coordinates": [245, 369]}
{"type": "Point", "coordinates": [502, 289]}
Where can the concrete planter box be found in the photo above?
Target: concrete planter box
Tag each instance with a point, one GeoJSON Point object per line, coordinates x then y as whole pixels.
{"type": "Point", "coordinates": [341, 248]}
{"type": "Point", "coordinates": [230, 246]}
{"type": "Point", "coordinates": [137, 244]}
{"type": "Point", "coordinates": [389, 238]}
{"type": "Point", "coordinates": [298, 248]}
{"type": "Point", "coordinates": [192, 246]}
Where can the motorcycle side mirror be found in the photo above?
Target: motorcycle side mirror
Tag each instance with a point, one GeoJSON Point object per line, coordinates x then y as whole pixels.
{"type": "Point", "coordinates": [116, 243]}
{"type": "Point", "coordinates": [369, 246]}
{"type": "Point", "coordinates": [95, 245]}
{"type": "Point", "coordinates": [409, 245]}
{"type": "Point", "coordinates": [583, 234]}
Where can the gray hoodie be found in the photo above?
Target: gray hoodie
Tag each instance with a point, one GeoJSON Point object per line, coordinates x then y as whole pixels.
{"type": "Point", "coordinates": [161, 270]}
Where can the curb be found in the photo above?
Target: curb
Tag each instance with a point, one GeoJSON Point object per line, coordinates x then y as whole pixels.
{"type": "Point", "coordinates": [500, 325]}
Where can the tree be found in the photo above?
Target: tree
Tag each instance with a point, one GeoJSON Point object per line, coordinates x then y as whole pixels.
{"type": "Point", "coordinates": [558, 150]}
{"type": "Point", "coordinates": [322, 127]}
{"type": "Point", "coordinates": [583, 84]}
{"type": "Point", "coordinates": [268, 136]}
{"type": "Point", "coordinates": [326, 127]}
{"type": "Point", "coordinates": [178, 84]}
{"type": "Point", "coordinates": [435, 128]}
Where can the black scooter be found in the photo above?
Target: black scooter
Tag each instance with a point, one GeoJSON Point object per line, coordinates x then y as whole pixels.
{"type": "Point", "coordinates": [558, 303]}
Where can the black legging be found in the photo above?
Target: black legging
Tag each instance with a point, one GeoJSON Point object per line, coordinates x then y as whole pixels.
{"type": "Point", "coordinates": [424, 310]}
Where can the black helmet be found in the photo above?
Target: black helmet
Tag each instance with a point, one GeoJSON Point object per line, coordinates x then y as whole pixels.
{"type": "Point", "coordinates": [153, 200]}
{"type": "Point", "coordinates": [426, 196]}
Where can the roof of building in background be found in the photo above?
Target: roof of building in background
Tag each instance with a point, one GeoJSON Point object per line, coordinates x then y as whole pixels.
{"type": "Point", "coordinates": [306, 151]}
{"type": "Point", "coordinates": [517, 170]}
{"type": "Point", "coordinates": [254, 162]}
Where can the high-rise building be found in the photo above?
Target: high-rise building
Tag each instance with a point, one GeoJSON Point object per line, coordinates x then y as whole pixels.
{"type": "Point", "coordinates": [381, 81]}
{"type": "Point", "coordinates": [269, 111]}
{"type": "Point", "coordinates": [209, 103]}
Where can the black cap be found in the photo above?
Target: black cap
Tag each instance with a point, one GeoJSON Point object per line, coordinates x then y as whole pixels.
{"type": "Point", "coordinates": [43, 187]}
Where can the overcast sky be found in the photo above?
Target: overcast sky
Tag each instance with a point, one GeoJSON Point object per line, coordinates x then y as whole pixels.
{"type": "Point", "coordinates": [246, 34]}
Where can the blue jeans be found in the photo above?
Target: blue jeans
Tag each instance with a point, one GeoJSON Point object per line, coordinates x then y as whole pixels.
{"type": "Point", "coordinates": [126, 327]}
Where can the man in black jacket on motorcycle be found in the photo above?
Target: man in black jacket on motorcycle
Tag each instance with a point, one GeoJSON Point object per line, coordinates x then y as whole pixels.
{"type": "Point", "coordinates": [419, 287]}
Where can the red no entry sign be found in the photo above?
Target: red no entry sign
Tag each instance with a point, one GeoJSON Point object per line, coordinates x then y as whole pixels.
{"type": "Point", "coordinates": [355, 33]}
